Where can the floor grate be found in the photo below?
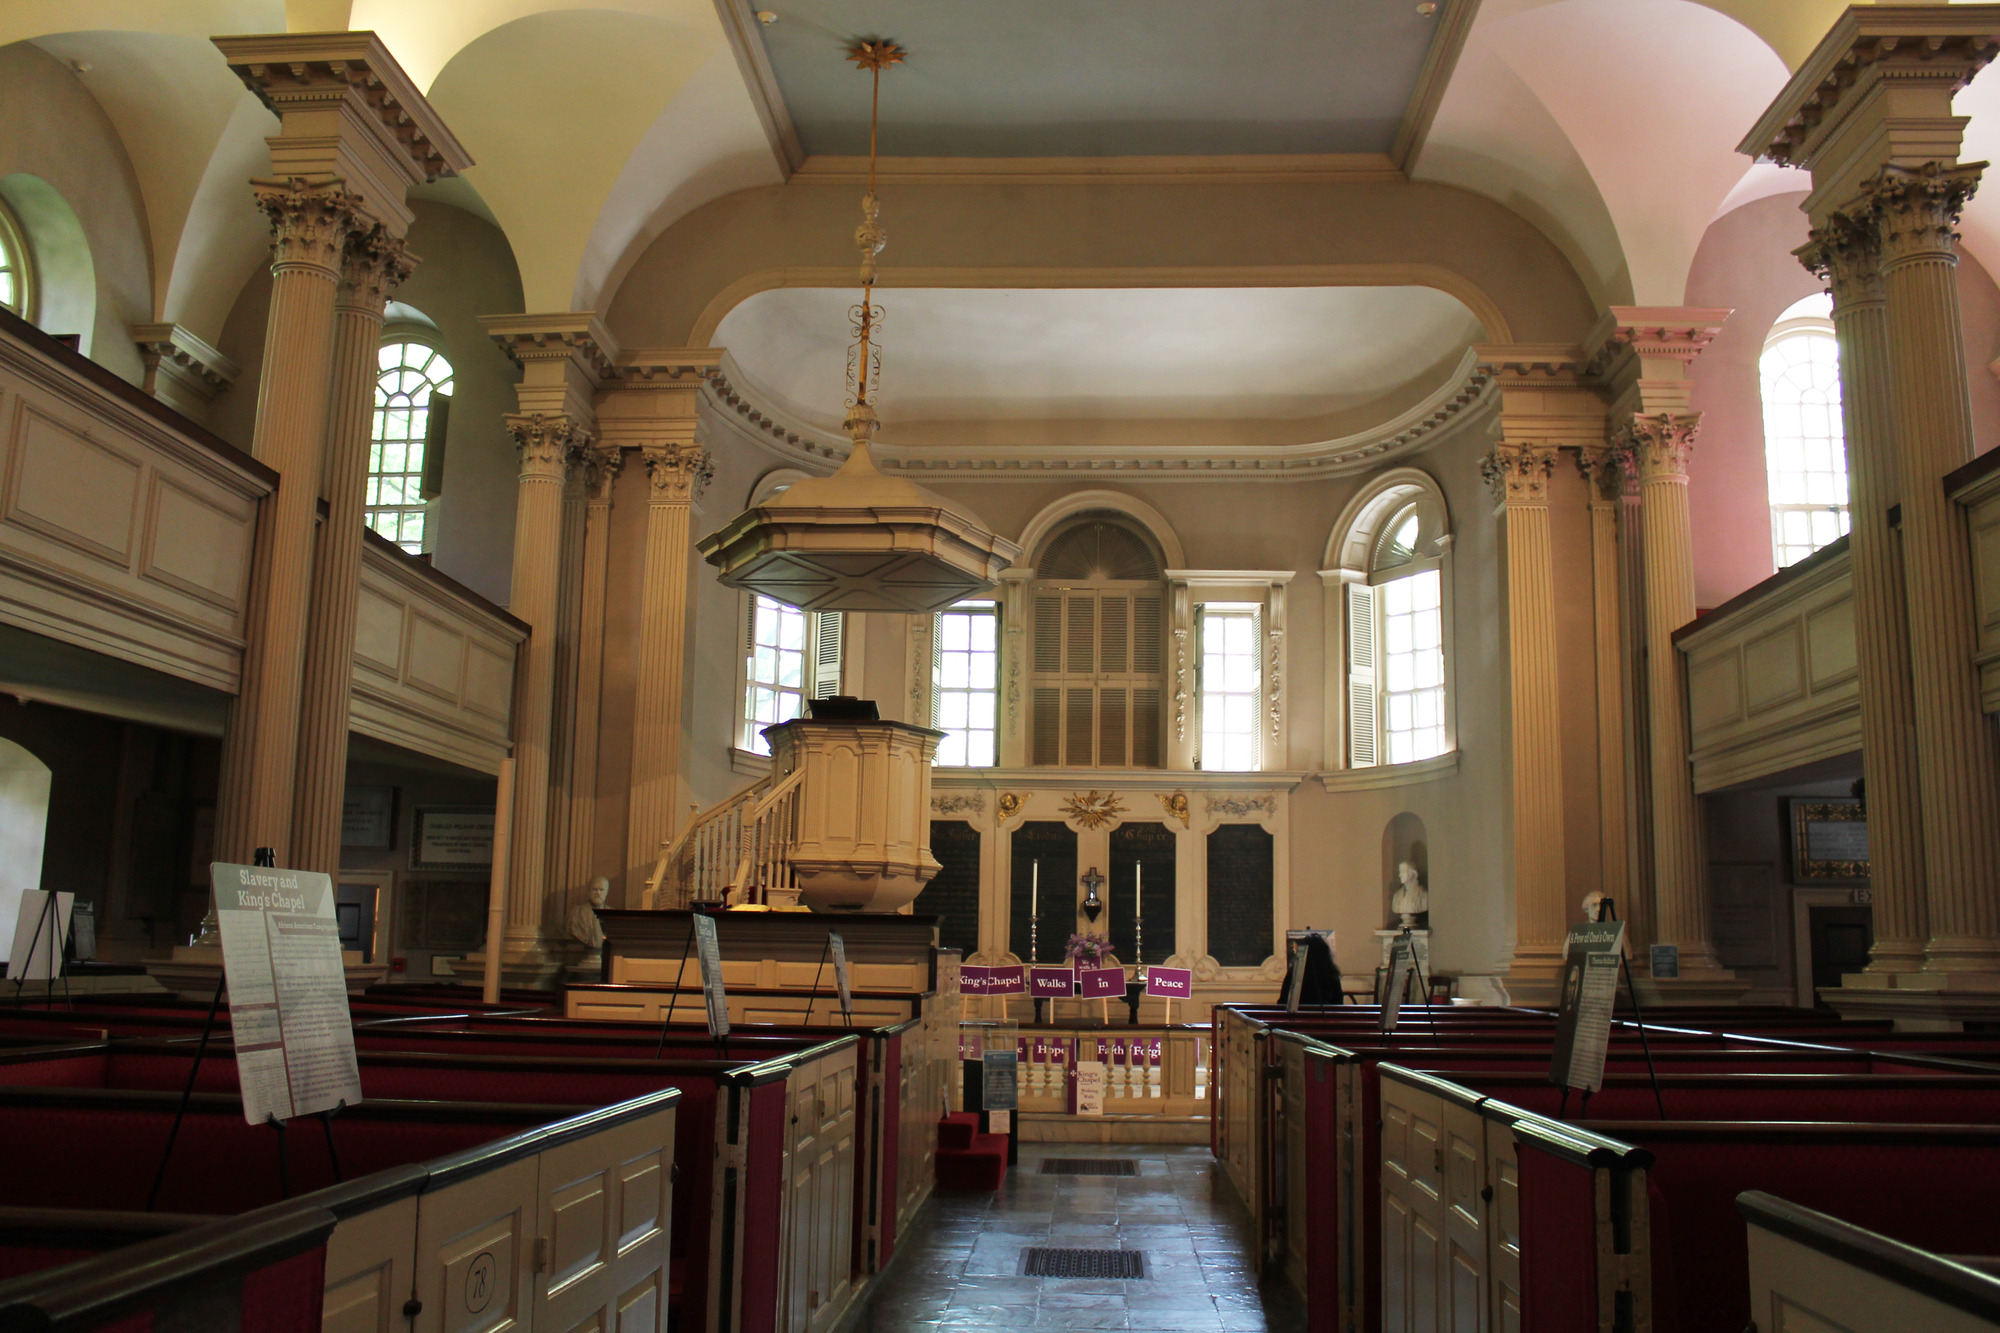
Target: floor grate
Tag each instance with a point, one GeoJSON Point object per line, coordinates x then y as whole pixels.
{"type": "Point", "coordinates": [1098, 1264]}
{"type": "Point", "coordinates": [1089, 1166]}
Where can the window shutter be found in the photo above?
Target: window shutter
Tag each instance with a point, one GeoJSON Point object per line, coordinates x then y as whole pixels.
{"type": "Point", "coordinates": [1111, 726]}
{"type": "Point", "coordinates": [1146, 639]}
{"type": "Point", "coordinates": [1077, 751]}
{"type": "Point", "coordinates": [1145, 728]}
{"type": "Point", "coordinates": [1048, 634]}
{"type": "Point", "coordinates": [1363, 736]}
{"type": "Point", "coordinates": [828, 628]}
{"type": "Point", "coordinates": [1081, 654]}
{"type": "Point", "coordinates": [1113, 639]}
{"type": "Point", "coordinates": [1048, 728]}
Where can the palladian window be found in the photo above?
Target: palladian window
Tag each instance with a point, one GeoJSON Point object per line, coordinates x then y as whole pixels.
{"type": "Point", "coordinates": [414, 376]}
{"type": "Point", "coordinates": [1098, 647]}
{"type": "Point", "coordinates": [1805, 456]}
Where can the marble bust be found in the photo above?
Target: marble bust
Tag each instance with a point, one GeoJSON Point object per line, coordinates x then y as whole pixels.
{"type": "Point", "coordinates": [583, 927]}
{"type": "Point", "coordinates": [1410, 899]}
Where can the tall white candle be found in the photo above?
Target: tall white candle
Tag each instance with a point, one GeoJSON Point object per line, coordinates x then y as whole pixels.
{"type": "Point", "coordinates": [1035, 889]}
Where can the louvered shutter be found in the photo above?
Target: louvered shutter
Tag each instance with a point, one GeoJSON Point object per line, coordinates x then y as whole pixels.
{"type": "Point", "coordinates": [1363, 735]}
{"type": "Point", "coordinates": [1145, 728]}
{"type": "Point", "coordinates": [1048, 728]}
{"type": "Point", "coordinates": [827, 631]}
{"type": "Point", "coordinates": [1078, 717]}
{"type": "Point", "coordinates": [1111, 726]}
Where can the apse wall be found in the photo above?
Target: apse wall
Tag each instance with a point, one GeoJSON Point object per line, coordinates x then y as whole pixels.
{"type": "Point", "coordinates": [53, 130]}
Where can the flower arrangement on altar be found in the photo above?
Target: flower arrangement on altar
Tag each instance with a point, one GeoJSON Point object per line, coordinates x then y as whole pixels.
{"type": "Point", "coordinates": [1089, 951]}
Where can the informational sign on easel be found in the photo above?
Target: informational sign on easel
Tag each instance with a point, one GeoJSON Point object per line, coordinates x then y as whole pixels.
{"type": "Point", "coordinates": [287, 991]}
{"type": "Point", "coordinates": [1402, 962]}
{"type": "Point", "coordinates": [709, 950]}
{"type": "Point", "coordinates": [41, 936]}
{"type": "Point", "coordinates": [838, 948]}
{"type": "Point", "coordinates": [1589, 995]}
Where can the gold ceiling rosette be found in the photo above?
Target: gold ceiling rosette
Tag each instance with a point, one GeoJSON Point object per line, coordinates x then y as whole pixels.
{"type": "Point", "coordinates": [860, 540]}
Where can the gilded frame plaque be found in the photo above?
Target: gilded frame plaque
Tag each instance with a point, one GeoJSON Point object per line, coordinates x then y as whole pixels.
{"type": "Point", "coordinates": [1829, 840]}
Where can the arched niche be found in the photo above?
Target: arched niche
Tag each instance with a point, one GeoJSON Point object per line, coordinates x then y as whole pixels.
{"type": "Point", "coordinates": [1070, 506]}
{"type": "Point", "coordinates": [24, 825]}
{"type": "Point", "coordinates": [1403, 839]}
{"type": "Point", "coordinates": [65, 274]}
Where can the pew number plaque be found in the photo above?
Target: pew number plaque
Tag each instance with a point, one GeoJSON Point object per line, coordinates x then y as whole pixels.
{"type": "Point", "coordinates": [287, 991]}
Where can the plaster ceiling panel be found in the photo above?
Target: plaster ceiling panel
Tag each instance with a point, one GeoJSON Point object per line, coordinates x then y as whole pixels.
{"type": "Point", "coordinates": [551, 108]}
{"type": "Point", "coordinates": [1608, 70]}
{"type": "Point", "coordinates": [962, 354]}
{"type": "Point", "coordinates": [1053, 78]}
{"type": "Point", "coordinates": [24, 19]}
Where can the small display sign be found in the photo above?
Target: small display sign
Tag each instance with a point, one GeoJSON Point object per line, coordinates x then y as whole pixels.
{"type": "Point", "coordinates": [838, 948]}
{"type": "Point", "coordinates": [709, 950]}
{"type": "Point", "coordinates": [1591, 956]}
{"type": "Point", "coordinates": [1001, 1067]}
{"type": "Point", "coordinates": [1009, 980]}
{"type": "Point", "coordinates": [1052, 983]}
{"type": "Point", "coordinates": [1175, 983]}
{"type": "Point", "coordinates": [1097, 982]}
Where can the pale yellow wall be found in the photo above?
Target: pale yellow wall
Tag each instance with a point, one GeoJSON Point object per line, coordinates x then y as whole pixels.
{"type": "Point", "coordinates": [52, 128]}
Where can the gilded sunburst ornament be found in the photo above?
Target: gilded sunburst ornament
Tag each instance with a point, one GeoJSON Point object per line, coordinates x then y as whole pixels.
{"type": "Point", "coordinates": [1094, 809]}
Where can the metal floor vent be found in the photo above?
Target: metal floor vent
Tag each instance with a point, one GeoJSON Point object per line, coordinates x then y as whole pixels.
{"type": "Point", "coordinates": [1089, 1166]}
{"type": "Point", "coordinates": [1099, 1264]}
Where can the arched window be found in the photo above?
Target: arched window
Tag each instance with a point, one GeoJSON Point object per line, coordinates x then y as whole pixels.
{"type": "Point", "coordinates": [414, 376]}
{"type": "Point", "coordinates": [1804, 455]}
{"type": "Point", "coordinates": [1391, 558]}
{"type": "Point", "coordinates": [17, 277]}
{"type": "Point", "coordinates": [1098, 644]}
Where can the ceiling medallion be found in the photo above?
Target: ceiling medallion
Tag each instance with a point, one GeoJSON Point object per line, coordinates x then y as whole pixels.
{"type": "Point", "coordinates": [859, 540]}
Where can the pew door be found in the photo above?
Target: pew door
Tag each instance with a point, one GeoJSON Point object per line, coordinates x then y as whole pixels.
{"type": "Point", "coordinates": [368, 1270]}
{"type": "Point", "coordinates": [1412, 1208]}
{"type": "Point", "coordinates": [605, 1209]}
{"type": "Point", "coordinates": [475, 1252]}
{"type": "Point", "coordinates": [817, 1280]}
{"type": "Point", "coordinates": [1503, 1226]}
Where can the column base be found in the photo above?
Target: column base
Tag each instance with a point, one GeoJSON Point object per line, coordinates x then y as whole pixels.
{"type": "Point", "coordinates": [1534, 976]}
{"type": "Point", "coordinates": [1909, 1001]}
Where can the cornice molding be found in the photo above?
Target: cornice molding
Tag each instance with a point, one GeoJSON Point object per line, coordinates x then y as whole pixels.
{"type": "Point", "coordinates": [1440, 59]}
{"type": "Point", "coordinates": [739, 24]}
{"type": "Point", "coordinates": [1236, 169]}
{"type": "Point", "coordinates": [1462, 398]}
{"type": "Point", "coordinates": [573, 335]}
{"type": "Point", "coordinates": [1869, 45]}
{"type": "Point", "coordinates": [289, 70]}
{"type": "Point", "coordinates": [1680, 333]}
{"type": "Point", "coordinates": [169, 349]}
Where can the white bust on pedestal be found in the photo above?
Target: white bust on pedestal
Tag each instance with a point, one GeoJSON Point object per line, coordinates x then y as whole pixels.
{"type": "Point", "coordinates": [1411, 898]}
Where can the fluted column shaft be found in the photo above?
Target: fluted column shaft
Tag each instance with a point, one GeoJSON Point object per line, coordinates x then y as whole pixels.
{"type": "Point", "coordinates": [1661, 443]}
{"type": "Point", "coordinates": [1956, 757]}
{"type": "Point", "coordinates": [310, 225]}
{"type": "Point", "coordinates": [1520, 471]}
{"type": "Point", "coordinates": [375, 263]}
{"type": "Point", "coordinates": [547, 444]}
{"type": "Point", "coordinates": [1637, 723]}
{"type": "Point", "coordinates": [1604, 474]}
{"type": "Point", "coordinates": [1848, 257]}
{"type": "Point", "coordinates": [675, 472]}
{"type": "Point", "coordinates": [602, 467]}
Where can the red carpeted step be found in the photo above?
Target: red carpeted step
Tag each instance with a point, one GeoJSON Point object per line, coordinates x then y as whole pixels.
{"type": "Point", "coordinates": [957, 1130]}
{"type": "Point", "coordinates": [981, 1165]}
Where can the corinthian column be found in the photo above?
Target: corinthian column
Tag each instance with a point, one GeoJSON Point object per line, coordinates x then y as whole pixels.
{"type": "Point", "coordinates": [1917, 210]}
{"type": "Point", "coordinates": [1604, 471]}
{"type": "Point", "coordinates": [548, 445]}
{"type": "Point", "coordinates": [1519, 472]}
{"type": "Point", "coordinates": [1847, 256]}
{"type": "Point", "coordinates": [601, 467]}
{"type": "Point", "coordinates": [309, 227]}
{"type": "Point", "coordinates": [1661, 444]}
{"type": "Point", "coordinates": [375, 264]}
{"type": "Point", "coordinates": [675, 474]}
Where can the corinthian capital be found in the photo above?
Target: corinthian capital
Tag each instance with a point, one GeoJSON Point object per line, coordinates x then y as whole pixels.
{"type": "Point", "coordinates": [1846, 254]}
{"type": "Point", "coordinates": [1917, 208]}
{"type": "Point", "coordinates": [310, 223]}
{"type": "Point", "coordinates": [376, 264]}
{"type": "Point", "coordinates": [1604, 468]}
{"type": "Point", "coordinates": [547, 443]}
{"type": "Point", "coordinates": [1519, 472]}
{"type": "Point", "coordinates": [678, 472]}
{"type": "Point", "coordinates": [1661, 442]}
{"type": "Point", "coordinates": [601, 463]}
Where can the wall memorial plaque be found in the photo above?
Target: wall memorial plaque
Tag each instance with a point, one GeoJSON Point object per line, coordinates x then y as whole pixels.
{"type": "Point", "coordinates": [952, 896]}
{"type": "Point", "coordinates": [368, 818]}
{"type": "Point", "coordinates": [444, 915]}
{"type": "Point", "coordinates": [1143, 868]}
{"type": "Point", "coordinates": [1240, 894]}
{"type": "Point", "coordinates": [1829, 840]}
{"type": "Point", "coordinates": [1051, 845]}
{"type": "Point", "coordinates": [452, 837]}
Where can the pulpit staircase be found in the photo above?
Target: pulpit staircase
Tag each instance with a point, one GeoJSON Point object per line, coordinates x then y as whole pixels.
{"type": "Point", "coordinates": [738, 851]}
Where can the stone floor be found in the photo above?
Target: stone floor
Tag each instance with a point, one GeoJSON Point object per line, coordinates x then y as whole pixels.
{"type": "Point", "coordinates": [962, 1270]}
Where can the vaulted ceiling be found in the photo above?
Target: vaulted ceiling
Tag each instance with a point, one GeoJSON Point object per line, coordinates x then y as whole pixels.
{"type": "Point", "coordinates": [1610, 125]}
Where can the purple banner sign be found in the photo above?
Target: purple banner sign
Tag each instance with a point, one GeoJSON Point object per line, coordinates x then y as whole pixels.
{"type": "Point", "coordinates": [972, 980]}
{"type": "Point", "coordinates": [1099, 981]}
{"type": "Point", "coordinates": [1051, 983]}
{"type": "Point", "coordinates": [1175, 983]}
{"type": "Point", "coordinates": [1011, 980]}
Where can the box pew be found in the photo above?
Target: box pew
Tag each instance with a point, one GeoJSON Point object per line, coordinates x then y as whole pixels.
{"type": "Point", "coordinates": [802, 1166]}
{"type": "Point", "coordinates": [262, 1272]}
{"type": "Point", "coordinates": [1806, 1266]}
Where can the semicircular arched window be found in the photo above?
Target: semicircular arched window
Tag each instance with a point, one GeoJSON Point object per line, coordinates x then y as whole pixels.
{"type": "Point", "coordinates": [1098, 648]}
{"type": "Point", "coordinates": [17, 284]}
{"type": "Point", "coordinates": [1393, 564]}
{"type": "Point", "coordinates": [405, 456]}
{"type": "Point", "coordinates": [1805, 455]}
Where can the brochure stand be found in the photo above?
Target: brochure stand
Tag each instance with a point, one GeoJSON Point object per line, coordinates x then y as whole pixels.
{"type": "Point", "coordinates": [48, 944]}
{"type": "Point", "coordinates": [1608, 911]}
